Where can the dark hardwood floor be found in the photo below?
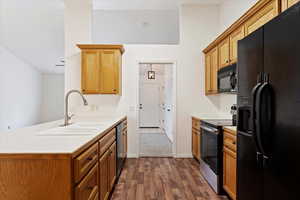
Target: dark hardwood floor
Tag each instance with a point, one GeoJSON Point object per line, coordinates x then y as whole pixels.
{"type": "Point", "coordinates": [163, 178]}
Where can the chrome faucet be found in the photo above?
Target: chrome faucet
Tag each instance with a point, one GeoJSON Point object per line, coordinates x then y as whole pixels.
{"type": "Point", "coordinates": [67, 116]}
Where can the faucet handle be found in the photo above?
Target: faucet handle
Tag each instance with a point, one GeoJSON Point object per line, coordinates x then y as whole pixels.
{"type": "Point", "coordinates": [70, 117]}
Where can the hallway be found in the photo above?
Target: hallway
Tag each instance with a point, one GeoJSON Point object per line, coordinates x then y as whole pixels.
{"type": "Point", "coordinates": [162, 178]}
{"type": "Point", "coordinates": [155, 145]}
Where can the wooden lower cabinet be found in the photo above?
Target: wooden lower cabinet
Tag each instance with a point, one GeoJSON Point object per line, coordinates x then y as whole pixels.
{"type": "Point", "coordinates": [196, 144]}
{"type": "Point", "coordinates": [108, 171]}
{"type": "Point", "coordinates": [87, 174]}
{"type": "Point", "coordinates": [103, 180]}
{"type": "Point", "coordinates": [112, 166]}
{"type": "Point", "coordinates": [196, 138]}
{"type": "Point", "coordinates": [88, 189]}
{"type": "Point", "coordinates": [229, 172]}
{"type": "Point", "coordinates": [229, 163]}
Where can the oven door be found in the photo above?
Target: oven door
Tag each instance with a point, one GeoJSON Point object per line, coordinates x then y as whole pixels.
{"type": "Point", "coordinates": [210, 148]}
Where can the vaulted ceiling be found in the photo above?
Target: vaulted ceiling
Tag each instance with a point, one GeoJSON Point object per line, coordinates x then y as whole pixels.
{"type": "Point", "coordinates": [34, 29]}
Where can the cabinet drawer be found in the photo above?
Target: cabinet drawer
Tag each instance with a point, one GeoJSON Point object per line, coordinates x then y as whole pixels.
{"type": "Point", "coordinates": [107, 140]}
{"type": "Point", "coordinates": [88, 187]}
{"type": "Point", "coordinates": [230, 141]}
{"type": "Point", "coordinates": [84, 162]}
{"type": "Point", "coordinates": [196, 124]}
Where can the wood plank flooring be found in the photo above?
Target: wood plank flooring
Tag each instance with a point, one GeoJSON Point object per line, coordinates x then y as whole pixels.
{"type": "Point", "coordinates": [163, 179]}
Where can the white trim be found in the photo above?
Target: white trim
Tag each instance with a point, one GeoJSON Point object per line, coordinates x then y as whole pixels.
{"type": "Point", "coordinates": [174, 63]}
{"type": "Point", "coordinates": [132, 155]}
{"type": "Point", "coordinates": [184, 156]}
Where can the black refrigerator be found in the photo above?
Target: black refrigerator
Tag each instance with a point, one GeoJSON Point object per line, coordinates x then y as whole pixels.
{"type": "Point", "coordinates": [268, 139]}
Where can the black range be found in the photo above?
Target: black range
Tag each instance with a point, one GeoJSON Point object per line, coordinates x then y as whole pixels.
{"type": "Point", "coordinates": [211, 151]}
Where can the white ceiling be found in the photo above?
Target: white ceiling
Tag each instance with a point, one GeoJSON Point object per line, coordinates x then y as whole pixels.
{"type": "Point", "coordinates": [146, 4]}
{"type": "Point", "coordinates": [34, 29]}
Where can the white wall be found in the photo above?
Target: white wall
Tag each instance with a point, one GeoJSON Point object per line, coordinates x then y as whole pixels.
{"type": "Point", "coordinates": [53, 86]}
{"type": "Point", "coordinates": [195, 33]}
{"type": "Point", "coordinates": [136, 26]}
{"type": "Point", "coordinates": [20, 89]}
{"type": "Point", "coordinates": [231, 10]}
{"type": "Point", "coordinates": [34, 31]}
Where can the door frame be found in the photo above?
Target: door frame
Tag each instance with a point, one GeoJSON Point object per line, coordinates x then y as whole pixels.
{"type": "Point", "coordinates": [174, 93]}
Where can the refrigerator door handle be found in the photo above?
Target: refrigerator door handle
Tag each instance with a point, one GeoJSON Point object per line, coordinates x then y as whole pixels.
{"type": "Point", "coordinates": [263, 109]}
{"type": "Point", "coordinates": [254, 113]}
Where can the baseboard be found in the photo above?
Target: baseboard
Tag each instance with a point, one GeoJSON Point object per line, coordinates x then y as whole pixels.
{"type": "Point", "coordinates": [133, 155]}
{"type": "Point", "coordinates": [156, 155]}
{"type": "Point", "coordinates": [184, 156]}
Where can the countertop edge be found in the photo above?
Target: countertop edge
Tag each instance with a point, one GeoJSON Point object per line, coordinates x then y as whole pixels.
{"type": "Point", "coordinates": [61, 155]}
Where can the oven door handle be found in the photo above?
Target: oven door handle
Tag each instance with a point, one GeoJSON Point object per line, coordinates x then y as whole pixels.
{"type": "Point", "coordinates": [211, 130]}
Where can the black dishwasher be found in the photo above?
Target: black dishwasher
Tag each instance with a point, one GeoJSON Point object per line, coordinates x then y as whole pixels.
{"type": "Point", "coordinates": [120, 149]}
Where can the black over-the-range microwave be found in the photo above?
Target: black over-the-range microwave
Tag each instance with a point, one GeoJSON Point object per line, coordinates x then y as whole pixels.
{"type": "Point", "coordinates": [227, 79]}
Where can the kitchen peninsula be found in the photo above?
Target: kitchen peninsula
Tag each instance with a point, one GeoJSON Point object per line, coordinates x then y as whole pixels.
{"type": "Point", "coordinates": [51, 162]}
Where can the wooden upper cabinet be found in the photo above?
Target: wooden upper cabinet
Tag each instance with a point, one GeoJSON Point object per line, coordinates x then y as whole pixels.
{"type": "Point", "coordinates": [285, 4]}
{"type": "Point", "coordinates": [268, 12]}
{"type": "Point", "coordinates": [211, 72]}
{"type": "Point", "coordinates": [101, 69]}
{"type": "Point", "coordinates": [90, 81]}
{"type": "Point", "coordinates": [214, 70]}
{"type": "Point", "coordinates": [233, 39]}
{"type": "Point", "coordinates": [208, 87]}
{"type": "Point", "coordinates": [109, 71]}
{"type": "Point", "coordinates": [223, 49]}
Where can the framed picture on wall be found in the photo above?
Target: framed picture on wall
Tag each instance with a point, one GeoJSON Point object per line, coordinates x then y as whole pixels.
{"type": "Point", "coordinates": [151, 74]}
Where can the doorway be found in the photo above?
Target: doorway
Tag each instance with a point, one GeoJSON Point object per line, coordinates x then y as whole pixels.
{"type": "Point", "coordinates": [157, 109]}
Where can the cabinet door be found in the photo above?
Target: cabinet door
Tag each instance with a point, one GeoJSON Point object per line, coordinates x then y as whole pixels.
{"type": "Point", "coordinates": [88, 188]}
{"type": "Point", "coordinates": [224, 53]}
{"type": "Point", "coordinates": [109, 68]}
{"type": "Point", "coordinates": [208, 73]}
{"type": "Point", "coordinates": [233, 39]}
{"type": "Point", "coordinates": [104, 173]}
{"type": "Point", "coordinates": [229, 172]}
{"type": "Point", "coordinates": [112, 166]}
{"type": "Point", "coordinates": [214, 70]}
{"type": "Point", "coordinates": [264, 15]}
{"type": "Point", "coordinates": [90, 76]}
{"type": "Point", "coordinates": [291, 2]}
{"type": "Point", "coordinates": [196, 144]}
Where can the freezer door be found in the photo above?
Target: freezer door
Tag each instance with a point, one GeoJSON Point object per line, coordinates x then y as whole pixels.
{"type": "Point", "coordinates": [282, 63]}
{"type": "Point", "coordinates": [250, 65]}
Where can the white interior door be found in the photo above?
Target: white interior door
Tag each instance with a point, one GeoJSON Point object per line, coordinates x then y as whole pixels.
{"type": "Point", "coordinates": [149, 105]}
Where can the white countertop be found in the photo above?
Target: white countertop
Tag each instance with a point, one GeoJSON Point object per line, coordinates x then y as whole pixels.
{"type": "Point", "coordinates": [27, 140]}
{"type": "Point", "coordinates": [211, 116]}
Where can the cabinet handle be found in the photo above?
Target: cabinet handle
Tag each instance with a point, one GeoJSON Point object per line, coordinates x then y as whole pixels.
{"type": "Point", "coordinates": [234, 143]}
{"type": "Point", "coordinates": [89, 158]}
{"type": "Point", "coordinates": [89, 187]}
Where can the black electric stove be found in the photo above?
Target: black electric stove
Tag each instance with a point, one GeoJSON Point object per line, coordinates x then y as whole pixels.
{"type": "Point", "coordinates": [211, 142]}
{"type": "Point", "coordinates": [217, 123]}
